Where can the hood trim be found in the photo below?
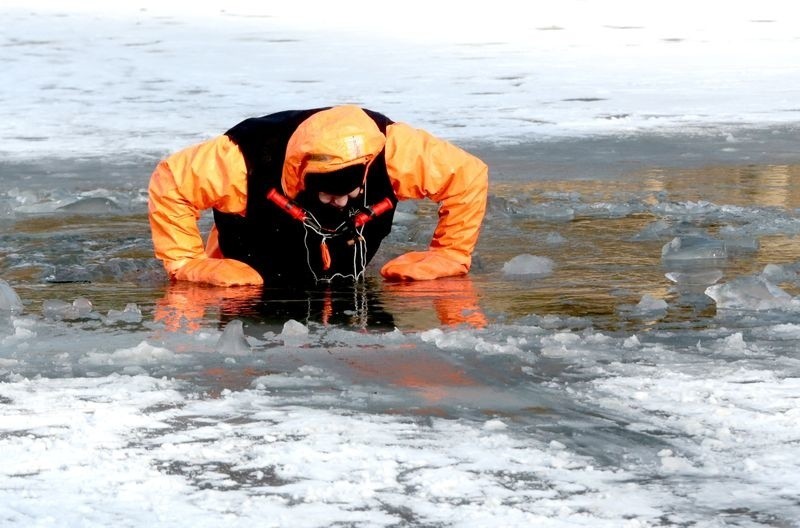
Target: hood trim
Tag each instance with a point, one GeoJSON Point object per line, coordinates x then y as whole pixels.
{"type": "Point", "coordinates": [330, 140]}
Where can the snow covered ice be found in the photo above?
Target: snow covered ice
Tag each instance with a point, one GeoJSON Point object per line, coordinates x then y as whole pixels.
{"type": "Point", "coordinates": [623, 354]}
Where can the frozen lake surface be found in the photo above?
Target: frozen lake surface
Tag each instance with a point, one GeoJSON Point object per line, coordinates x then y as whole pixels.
{"type": "Point", "coordinates": [624, 353]}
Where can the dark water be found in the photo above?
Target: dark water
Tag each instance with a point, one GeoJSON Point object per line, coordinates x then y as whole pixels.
{"type": "Point", "coordinates": [79, 228]}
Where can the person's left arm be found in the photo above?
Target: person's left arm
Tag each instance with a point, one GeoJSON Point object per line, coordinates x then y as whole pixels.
{"type": "Point", "coordinates": [423, 166]}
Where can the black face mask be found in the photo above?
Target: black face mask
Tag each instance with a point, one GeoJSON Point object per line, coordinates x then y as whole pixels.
{"type": "Point", "coordinates": [328, 215]}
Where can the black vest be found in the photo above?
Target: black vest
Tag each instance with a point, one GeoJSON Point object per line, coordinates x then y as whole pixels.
{"type": "Point", "coordinates": [279, 247]}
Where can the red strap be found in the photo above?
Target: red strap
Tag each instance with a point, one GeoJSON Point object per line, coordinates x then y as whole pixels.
{"type": "Point", "coordinates": [326, 255]}
{"type": "Point", "coordinates": [287, 205]}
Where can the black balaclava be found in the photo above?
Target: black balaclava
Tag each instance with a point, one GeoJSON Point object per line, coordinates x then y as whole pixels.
{"type": "Point", "coordinates": [336, 183]}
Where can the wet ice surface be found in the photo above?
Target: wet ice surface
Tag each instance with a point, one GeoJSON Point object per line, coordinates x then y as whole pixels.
{"type": "Point", "coordinates": [574, 422]}
{"type": "Point", "coordinates": [623, 354]}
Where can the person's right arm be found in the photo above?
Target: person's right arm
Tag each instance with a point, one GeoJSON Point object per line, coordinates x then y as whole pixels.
{"type": "Point", "coordinates": [210, 174]}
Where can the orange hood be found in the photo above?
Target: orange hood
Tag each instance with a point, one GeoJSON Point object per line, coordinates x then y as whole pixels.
{"type": "Point", "coordinates": [330, 140]}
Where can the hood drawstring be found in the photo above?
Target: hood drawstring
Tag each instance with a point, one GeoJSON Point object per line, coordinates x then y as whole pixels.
{"type": "Point", "coordinates": [354, 228]}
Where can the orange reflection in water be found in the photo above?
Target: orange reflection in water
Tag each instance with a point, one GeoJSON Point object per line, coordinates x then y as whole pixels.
{"type": "Point", "coordinates": [431, 378]}
{"type": "Point", "coordinates": [450, 301]}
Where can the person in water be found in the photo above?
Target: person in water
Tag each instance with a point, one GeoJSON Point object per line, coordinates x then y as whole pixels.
{"type": "Point", "coordinates": [308, 195]}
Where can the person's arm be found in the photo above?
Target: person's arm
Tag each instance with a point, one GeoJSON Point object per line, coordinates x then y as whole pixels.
{"type": "Point", "coordinates": [210, 174]}
{"type": "Point", "coordinates": [423, 166]}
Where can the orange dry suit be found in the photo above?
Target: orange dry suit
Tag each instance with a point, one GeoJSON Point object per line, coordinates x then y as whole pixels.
{"type": "Point", "coordinates": [275, 243]}
{"type": "Point", "coordinates": [254, 240]}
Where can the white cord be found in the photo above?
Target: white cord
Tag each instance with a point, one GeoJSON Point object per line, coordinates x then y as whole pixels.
{"type": "Point", "coordinates": [359, 254]}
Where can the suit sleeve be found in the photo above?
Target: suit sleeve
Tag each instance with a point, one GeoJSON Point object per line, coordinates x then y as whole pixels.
{"type": "Point", "coordinates": [210, 174]}
{"type": "Point", "coordinates": [423, 166]}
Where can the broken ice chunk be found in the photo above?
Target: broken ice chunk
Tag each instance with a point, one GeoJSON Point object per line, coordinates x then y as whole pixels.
{"type": "Point", "coordinates": [690, 248]}
{"type": "Point", "coordinates": [131, 314]}
{"type": "Point", "coordinates": [80, 308]}
{"type": "Point", "coordinates": [232, 340]}
{"type": "Point", "coordinates": [528, 265]}
{"type": "Point", "coordinates": [9, 300]}
{"type": "Point", "coordinates": [750, 293]}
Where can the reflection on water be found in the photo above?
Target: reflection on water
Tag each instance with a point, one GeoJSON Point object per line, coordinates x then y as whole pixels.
{"type": "Point", "coordinates": [603, 262]}
{"type": "Point", "coordinates": [745, 186]}
{"type": "Point", "coordinates": [749, 185]}
{"type": "Point", "coordinates": [605, 238]}
{"type": "Point", "coordinates": [186, 306]}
